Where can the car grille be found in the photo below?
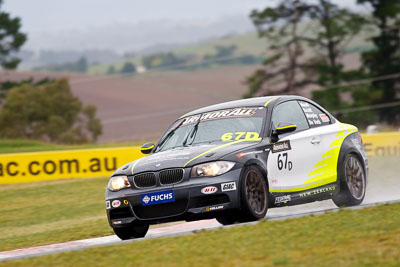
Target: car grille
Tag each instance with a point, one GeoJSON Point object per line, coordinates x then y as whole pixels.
{"type": "Point", "coordinates": [143, 180]}
{"type": "Point", "coordinates": [162, 210]}
{"type": "Point", "coordinates": [171, 176]}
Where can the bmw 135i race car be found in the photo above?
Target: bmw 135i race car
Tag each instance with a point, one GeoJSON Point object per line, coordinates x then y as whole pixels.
{"type": "Point", "coordinates": [234, 160]}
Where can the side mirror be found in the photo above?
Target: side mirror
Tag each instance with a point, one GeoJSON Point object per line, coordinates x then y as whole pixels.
{"type": "Point", "coordinates": [282, 129]}
{"type": "Point", "coordinates": [285, 128]}
{"type": "Point", "coordinates": [147, 148]}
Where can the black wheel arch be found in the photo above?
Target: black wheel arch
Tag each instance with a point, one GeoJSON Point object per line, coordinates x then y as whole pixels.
{"type": "Point", "coordinates": [262, 167]}
{"type": "Point", "coordinates": [348, 148]}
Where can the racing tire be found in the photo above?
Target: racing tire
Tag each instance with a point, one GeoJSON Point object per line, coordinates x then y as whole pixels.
{"type": "Point", "coordinates": [352, 183]}
{"type": "Point", "coordinates": [254, 195]}
{"type": "Point", "coordinates": [227, 219]}
{"type": "Point", "coordinates": [133, 231]}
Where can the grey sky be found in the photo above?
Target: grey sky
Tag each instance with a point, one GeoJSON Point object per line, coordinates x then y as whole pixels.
{"type": "Point", "coordinates": [131, 25]}
{"type": "Point", "coordinates": [52, 15]}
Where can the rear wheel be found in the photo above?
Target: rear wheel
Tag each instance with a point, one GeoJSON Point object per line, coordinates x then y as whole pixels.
{"type": "Point", "coordinates": [254, 194]}
{"type": "Point", "coordinates": [135, 230]}
{"type": "Point", "coordinates": [352, 183]}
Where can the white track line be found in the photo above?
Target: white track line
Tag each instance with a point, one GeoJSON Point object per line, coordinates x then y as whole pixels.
{"type": "Point", "coordinates": [167, 231]}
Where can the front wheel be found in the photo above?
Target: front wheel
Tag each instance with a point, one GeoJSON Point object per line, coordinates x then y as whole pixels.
{"type": "Point", "coordinates": [135, 230]}
{"type": "Point", "coordinates": [227, 219]}
{"type": "Point", "coordinates": [254, 194]}
{"type": "Point", "coordinates": [352, 183]}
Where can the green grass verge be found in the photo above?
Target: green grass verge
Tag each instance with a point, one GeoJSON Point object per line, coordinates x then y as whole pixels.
{"type": "Point", "coordinates": [48, 212]}
{"type": "Point", "coordinates": [18, 146]}
{"type": "Point", "coordinates": [58, 211]}
{"type": "Point", "coordinates": [366, 237]}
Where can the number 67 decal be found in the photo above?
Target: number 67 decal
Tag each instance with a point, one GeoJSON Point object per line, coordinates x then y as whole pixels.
{"type": "Point", "coordinates": [284, 163]}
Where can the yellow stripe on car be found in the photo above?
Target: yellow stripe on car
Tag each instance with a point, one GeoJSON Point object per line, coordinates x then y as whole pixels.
{"type": "Point", "coordinates": [147, 148]}
{"type": "Point", "coordinates": [184, 115]}
{"type": "Point", "coordinates": [134, 164]}
{"type": "Point", "coordinates": [269, 101]}
{"type": "Point", "coordinates": [297, 189]}
{"type": "Point", "coordinates": [218, 147]}
{"type": "Point", "coordinates": [326, 170]}
{"type": "Point", "coordinates": [286, 127]}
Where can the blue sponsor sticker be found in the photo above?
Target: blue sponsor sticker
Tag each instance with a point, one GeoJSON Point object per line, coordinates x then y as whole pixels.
{"type": "Point", "coordinates": [158, 197]}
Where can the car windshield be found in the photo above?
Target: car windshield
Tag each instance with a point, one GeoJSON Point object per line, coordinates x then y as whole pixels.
{"type": "Point", "coordinates": [217, 126]}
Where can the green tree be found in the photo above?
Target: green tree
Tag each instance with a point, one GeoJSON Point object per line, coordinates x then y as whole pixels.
{"type": "Point", "coordinates": [48, 112]}
{"type": "Point", "coordinates": [111, 70]}
{"type": "Point", "coordinates": [81, 65]}
{"type": "Point", "coordinates": [8, 85]}
{"type": "Point", "coordinates": [333, 29]}
{"type": "Point", "coordinates": [11, 39]}
{"type": "Point", "coordinates": [304, 51]}
{"type": "Point", "coordinates": [280, 27]}
{"type": "Point", "coordinates": [163, 59]}
{"type": "Point", "coordinates": [225, 51]}
{"type": "Point", "coordinates": [384, 59]}
{"type": "Point", "coordinates": [221, 51]}
{"type": "Point", "coordinates": [128, 68]}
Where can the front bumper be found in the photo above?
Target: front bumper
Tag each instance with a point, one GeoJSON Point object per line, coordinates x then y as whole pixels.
{"type": "Point", "coordinates": [190, 203]}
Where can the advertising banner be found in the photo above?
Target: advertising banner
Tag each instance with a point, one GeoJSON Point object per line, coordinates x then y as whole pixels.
{"type": "Point", "coordinates": [102, 162]}
{"type": "Point", "coordinates": [382, 144]}
{"type": "Point", "coordinates": [88, 163]}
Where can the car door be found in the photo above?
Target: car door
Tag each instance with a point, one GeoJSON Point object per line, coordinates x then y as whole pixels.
{"type": "Point", "coordinates": [295, 154]}
{"type": "Point", "coordinates": [330, 135]}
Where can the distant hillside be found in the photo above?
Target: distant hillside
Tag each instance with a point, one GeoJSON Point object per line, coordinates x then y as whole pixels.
{"type": "Point", "coordinates": [246, 44]}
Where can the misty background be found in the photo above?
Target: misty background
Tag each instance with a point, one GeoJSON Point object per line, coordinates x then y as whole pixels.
{"type": "Point", "coordinates": [104, 31]}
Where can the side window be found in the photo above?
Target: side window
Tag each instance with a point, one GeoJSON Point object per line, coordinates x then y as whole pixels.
{"type": "Point", "coordinates": [314, 115]}
{"type": "Point", "coordinates": [289, 112]}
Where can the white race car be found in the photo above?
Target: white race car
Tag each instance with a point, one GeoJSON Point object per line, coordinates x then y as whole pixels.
{"type": "Point", "coordinates": [234, 160]}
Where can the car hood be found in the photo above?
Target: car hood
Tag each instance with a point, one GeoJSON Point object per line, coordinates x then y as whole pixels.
{"type": "Point", "coordinates": [182, 157]}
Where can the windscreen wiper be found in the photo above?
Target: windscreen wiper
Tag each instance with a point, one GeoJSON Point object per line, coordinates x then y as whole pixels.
{"type": "Point", "coordinates": [193, 133]}
{"type": "Point", "coordinates": [169, 135]}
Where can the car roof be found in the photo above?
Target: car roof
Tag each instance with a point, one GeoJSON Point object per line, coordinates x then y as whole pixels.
{"type": "Point", "coordinates": [247, 102]}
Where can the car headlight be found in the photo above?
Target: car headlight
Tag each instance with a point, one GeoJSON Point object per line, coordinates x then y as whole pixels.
{"type": "Point", "coordinates": [118, 182]}
{"type": "Point", "coordinates": [211, 168]}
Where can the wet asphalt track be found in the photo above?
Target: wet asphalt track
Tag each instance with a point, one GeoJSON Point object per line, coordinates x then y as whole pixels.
{"type": "Point", "coordinates": [375, 195]}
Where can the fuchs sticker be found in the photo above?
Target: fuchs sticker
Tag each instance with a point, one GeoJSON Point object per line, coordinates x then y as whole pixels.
{"type": "Point", "coordinates": [228, 113]}
{"type": "Point", "coordinates": [228, 186]}
{"type": "Point", "coordinates": [324, 117]}
{"type": "Point", "coordinates": [108, 205]}
{"type": "Point", "coordinates": [158, 198]}
{"type": "Point", "coordinates": [209, 190]}
{"type": "Point", "coordinates": [116, 203]}
{"type": "Point", "coordinates": [282, 199]}
{"type": "Point", "coordinates": [281, 146]}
